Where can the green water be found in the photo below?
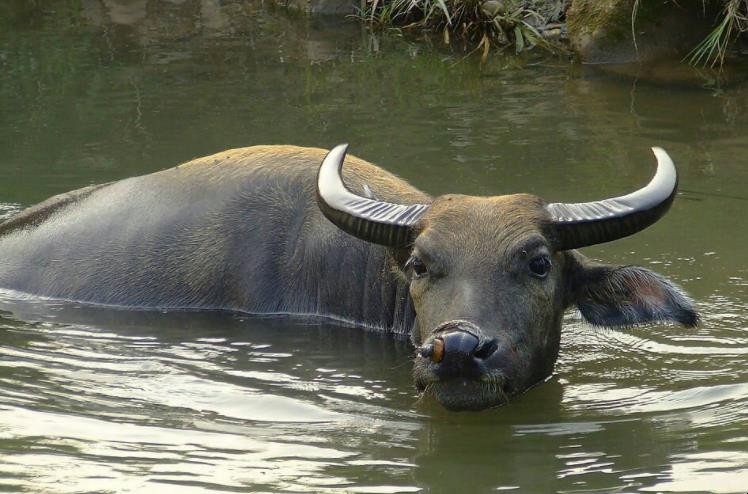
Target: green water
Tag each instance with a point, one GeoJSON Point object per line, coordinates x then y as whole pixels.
{"type": "Point", "coordinates": [100, 400]}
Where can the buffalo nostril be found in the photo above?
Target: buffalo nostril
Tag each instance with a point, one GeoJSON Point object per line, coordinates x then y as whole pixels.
{"type": "Point", "coordinates": [434, 351]}
{"type": "Point", "coordinates": [487, 349]}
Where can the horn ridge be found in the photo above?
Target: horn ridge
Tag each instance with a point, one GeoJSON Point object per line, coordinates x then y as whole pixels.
{"type": "Point", "coordinates": [371, 220]}
{"type": "Point", "coordinates": [581, 224]}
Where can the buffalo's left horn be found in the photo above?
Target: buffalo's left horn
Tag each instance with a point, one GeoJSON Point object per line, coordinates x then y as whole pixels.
{"type": "Point", "coordinates": [589, 223]}
{"type": "Point", "coordinates": [368, 219]}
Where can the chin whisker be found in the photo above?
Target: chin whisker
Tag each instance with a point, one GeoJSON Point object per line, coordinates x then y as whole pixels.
{"type": "Point", "coordinates": [493, 385]}
{"type": "Point", "coordinates": [488, 392]}
{"type": "Point", "coordinates": [427, 392]}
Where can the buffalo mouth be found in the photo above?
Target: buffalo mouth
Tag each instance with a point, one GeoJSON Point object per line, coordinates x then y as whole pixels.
{"type": "Point", "coordinates": [462, 393]}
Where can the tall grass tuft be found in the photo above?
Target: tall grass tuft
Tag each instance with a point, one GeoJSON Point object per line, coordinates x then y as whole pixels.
{"type": "Point", "coordinates": [712, 50]}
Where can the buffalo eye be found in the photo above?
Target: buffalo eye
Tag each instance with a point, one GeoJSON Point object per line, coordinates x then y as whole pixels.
{"type": "Point", "coordinates": [418, 266]}
{"type": "Point", "coordinates": [540, 266]}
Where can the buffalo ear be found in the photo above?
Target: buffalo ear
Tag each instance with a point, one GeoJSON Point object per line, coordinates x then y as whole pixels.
{"type": "Point", "coordinates": [629, 295]}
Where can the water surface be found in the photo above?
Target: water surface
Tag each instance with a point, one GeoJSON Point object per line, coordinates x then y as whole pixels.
{"type": "Point", "coordinates": [106, 400]}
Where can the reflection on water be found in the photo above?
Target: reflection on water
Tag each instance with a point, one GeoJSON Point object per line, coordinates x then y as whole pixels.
{"type": "Point", "coordinates": [102, 400]}
{"type": "Point", "coordinates": [202, 400]}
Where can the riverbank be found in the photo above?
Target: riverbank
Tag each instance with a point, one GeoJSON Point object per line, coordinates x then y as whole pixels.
{"type": "Point", "coordinates": [596, 31]}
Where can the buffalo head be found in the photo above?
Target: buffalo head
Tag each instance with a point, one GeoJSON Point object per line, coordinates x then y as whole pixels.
{"type": "Point", "coordinates": [490, 277]}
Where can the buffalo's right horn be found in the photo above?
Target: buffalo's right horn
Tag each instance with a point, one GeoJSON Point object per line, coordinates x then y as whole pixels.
{"type": "Point", "coordinates": [368, 219]}
{"type": "Point", "coordinates": [589, 223]}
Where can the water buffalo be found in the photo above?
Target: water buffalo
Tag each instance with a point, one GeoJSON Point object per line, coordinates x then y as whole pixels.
{"type": "Point", "coordinates": [479, 283]}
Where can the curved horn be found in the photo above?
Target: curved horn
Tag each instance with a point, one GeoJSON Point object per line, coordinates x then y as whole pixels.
{"type": "Point", "coordinates": [368, 219]}
{"type": "Point", "coordinates": [589, 223]}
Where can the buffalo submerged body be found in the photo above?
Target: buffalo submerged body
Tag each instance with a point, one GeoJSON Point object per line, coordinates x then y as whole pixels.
{"type": "Point", "coordinates": [480, 284]}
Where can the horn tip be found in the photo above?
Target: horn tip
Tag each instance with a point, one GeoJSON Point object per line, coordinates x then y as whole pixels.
{"type": "Point", "coordinates": [661, 154]}
{"type": "Point", "coordinates": [665, 164]}
{"type": "Point", "coordinates": [334, 158]}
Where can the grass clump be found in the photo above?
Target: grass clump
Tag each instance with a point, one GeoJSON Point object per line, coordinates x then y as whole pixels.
{"type": "Point", "coordinates": [479, 25]}
{"type": "Point", "coordinates": [712, 50]}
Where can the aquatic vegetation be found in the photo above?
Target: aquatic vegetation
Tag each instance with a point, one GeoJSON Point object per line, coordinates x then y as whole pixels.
{"type": "Point", "coordinates": [479, 25]}
{"type": "Point", "coordinates": [483, 25]}
{"type": "Point", "coordinates": [712, 50]}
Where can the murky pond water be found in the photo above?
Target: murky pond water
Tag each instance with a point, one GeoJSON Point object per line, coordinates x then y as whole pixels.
{"type": "Point", "coordinates": [104, 400]}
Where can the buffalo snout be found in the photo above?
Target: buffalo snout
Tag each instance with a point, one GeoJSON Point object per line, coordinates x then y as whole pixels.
{"type": "Point", "coordinates": [459, 349]}
{"type": "Point", "coordinates": [462, 367]}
